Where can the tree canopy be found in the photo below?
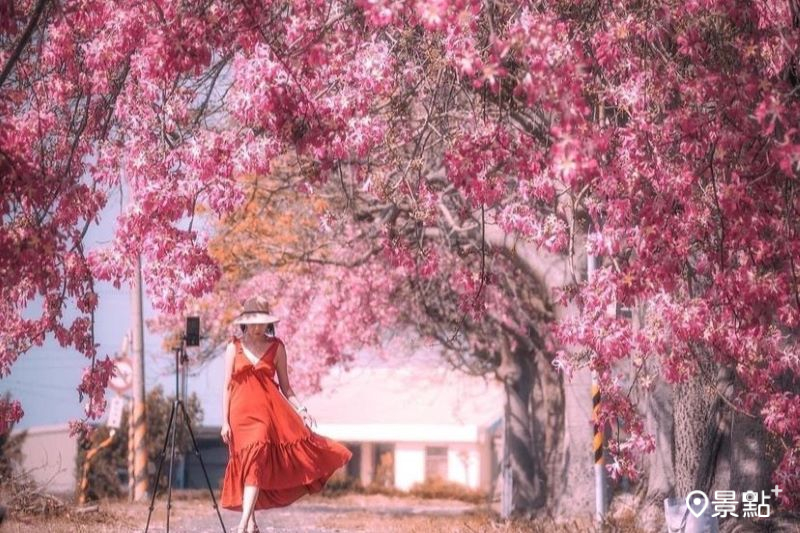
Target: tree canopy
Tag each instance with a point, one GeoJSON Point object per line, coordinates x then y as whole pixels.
{"type": "Point", "coordinates": [657, 136]}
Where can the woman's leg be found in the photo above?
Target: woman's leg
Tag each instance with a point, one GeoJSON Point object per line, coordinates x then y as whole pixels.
{"type": "Point", "coordinates": [251, 525]}
{"type": "Point", "coordinates": [248, 505]}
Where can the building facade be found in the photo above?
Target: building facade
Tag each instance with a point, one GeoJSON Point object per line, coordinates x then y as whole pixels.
{"type": "Point", "coordinates": [404, 426]}
{"type": "Point", "coordinates": [48, 456]}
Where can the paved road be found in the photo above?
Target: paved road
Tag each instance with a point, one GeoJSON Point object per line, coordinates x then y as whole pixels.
{"type": "Point", "coordinates": [317, 515]}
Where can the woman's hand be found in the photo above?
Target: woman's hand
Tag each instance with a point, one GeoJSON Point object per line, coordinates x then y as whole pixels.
{"type": "Point", "coordinates": [308, 420]}
{"type": "Point", "coordinates": [301, 410]}
{"type": "Point", "coordinates": [226, 432]}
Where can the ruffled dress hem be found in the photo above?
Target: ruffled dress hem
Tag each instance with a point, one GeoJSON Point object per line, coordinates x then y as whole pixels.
{"type": "Point", "coordinates": [283, 472]}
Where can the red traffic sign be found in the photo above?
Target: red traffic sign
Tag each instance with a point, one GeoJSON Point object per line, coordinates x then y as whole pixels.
{"type": "Point", "coordinates": [122, 380]}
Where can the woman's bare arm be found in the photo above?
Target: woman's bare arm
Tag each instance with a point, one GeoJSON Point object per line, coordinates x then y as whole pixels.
{"type": "Point", "coordinates": [230, 353]}
{"type": "Point", "coordinates": [283, 376]}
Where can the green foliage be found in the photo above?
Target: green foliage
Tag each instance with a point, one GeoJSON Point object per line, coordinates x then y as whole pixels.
{"type": "Point", "coordinates": [108, 468]}
{"type": "Point", "coordinates": [432, 489]}
{"type": "Point", "coordinates": [108, 474]}
{"type": "Point", "coordinates": [439, 488]}
{"type": "Point", "coordinates": [336, 486]}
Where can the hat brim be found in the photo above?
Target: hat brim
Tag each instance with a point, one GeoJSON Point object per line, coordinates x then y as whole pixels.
{"type": "Point", "coordinates": [257, 318]}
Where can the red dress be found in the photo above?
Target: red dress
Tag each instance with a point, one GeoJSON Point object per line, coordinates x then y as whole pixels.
{"type": "Point", "coordinates": [270, 446]}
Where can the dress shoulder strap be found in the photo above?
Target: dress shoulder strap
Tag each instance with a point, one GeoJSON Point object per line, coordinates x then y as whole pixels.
{"type": "Point", "coordinates": [278, 343]}
{"type": "Point", "coordinates": [237, 344]}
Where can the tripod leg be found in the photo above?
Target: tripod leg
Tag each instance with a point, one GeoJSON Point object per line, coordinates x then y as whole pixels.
{"type": "Point", "coordinates": [202, 465]}
{"type": "Point", "coordinates": [171, 463]}
{"type": "Point", "coordinates": [160, 464]}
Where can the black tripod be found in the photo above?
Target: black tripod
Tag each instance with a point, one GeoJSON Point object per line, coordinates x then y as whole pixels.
{"type": "Point", "coordinates": [180, 359]}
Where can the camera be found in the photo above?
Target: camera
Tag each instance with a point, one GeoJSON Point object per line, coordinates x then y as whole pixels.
{"type": "Point", "coordinates": [192, 331]}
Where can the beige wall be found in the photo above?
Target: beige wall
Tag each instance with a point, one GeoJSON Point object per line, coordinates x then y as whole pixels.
{"type": "Point", "coordinates": [367, 473]}
{"type": "Point", "coordinates": [575, 493]}
{"type": "Point", "coordinates": [48, 454]}
{"type": "Point", "coordinates": [464, 464]}
{"type": "Point", "coordinates": [467, 464]}
{"type": "Point", "coordinates": [409, 464]}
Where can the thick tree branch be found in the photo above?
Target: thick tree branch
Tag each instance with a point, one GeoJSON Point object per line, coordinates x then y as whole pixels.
{"type": "Point", "coordinates": [23, 41]}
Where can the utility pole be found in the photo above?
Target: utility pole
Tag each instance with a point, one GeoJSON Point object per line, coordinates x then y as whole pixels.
{"type": "Point", "coordinates": [126, 352]}
{"type": "Point", "coordinates": [139, 419]}
{"type": "Point", "coordinates": [131, 454]}
{"type": "Point", "coordinates": [597, 441]}
{"type": "Point", "coordinates": [600, 485]}
{"type": "Point", "coordinates": [506, 476]}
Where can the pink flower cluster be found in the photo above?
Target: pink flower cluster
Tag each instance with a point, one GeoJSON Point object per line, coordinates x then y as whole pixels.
{"type": "Point", "coordinates": [668, 132]}
{"type": "Point", "coordinates": [10, 413]}
{"type": "Point", "coordinates": [93, 386]}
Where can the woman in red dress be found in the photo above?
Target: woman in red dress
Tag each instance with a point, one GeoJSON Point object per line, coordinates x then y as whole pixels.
{"type": "Point", "coordinates": [274, 457]}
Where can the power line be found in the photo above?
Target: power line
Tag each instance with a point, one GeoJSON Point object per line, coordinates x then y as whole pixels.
{"type": "Point", "coordinates": [51, 394]}
{"type": "Point", "coordinates": [47, 364]}
{"type": "Point", "coordinates": [41, 385]}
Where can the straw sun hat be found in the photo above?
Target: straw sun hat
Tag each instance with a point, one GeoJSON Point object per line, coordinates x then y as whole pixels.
{"type": "Point", "coordinates": [256, 311]}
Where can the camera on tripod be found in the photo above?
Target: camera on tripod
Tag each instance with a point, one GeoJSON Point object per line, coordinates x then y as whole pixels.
{"type": "Point", "coordinates": [192, 334]}
{"type": "Point", "coordinates": [191, 337]}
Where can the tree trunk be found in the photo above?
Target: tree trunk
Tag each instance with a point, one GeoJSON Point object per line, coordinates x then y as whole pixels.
{"type": "Point", "coordinates": [548, 407]}
{"type": "Point", "coordinates": [700, 425]}
{"type": "Point", "coordinates": [516, 373]}
{"type": "Point", "coordinates": [750, 464]}
{"type": "Point", "coordinates": [718, 448]}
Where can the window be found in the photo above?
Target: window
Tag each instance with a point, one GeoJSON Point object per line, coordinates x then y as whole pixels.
{"type": "Point", "coordinates": [435, 462]}
{"type": "Point", "coordinates": [384, 465]}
